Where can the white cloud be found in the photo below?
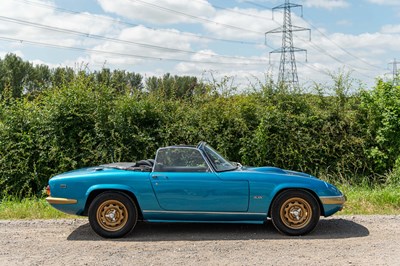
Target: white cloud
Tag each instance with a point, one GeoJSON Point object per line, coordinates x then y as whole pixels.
{"type": "Point", "coordinates": [327, 4]}
{"type": "Point", "coordinates": [25, 20]}
{"type": "Point", "coordinates": [202, 62]}
{"type": "Point", "coordinates": [391, 29]}
{"type": "Point", "coordinates": [16, 52]}
{"type": "Point", "coordinates": [158, 11]}
{"type": "Point", "coordinates": [249, 25]}
{"type": "Point", "coordinates": [385, 2]}
{"type": "Point", "coordinates": [144, 42]}
{"type": "Point", "coordinates": [245, 23]}
{"type": "Point", "coordinates": [240, 69]}
{"type": "Point", "coordinates": [15, 8]}
{"type": "Point", "coordinates": [366, 55]}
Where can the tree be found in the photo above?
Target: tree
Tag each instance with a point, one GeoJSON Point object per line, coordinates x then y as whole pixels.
{"type": "Point", "coordinates": [15, 73]}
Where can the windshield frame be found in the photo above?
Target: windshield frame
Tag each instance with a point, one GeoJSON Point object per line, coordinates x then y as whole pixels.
{"type": "Point", "coordinates": [212, 156]}
{"type": "Point", "coordinates": [209, 166]}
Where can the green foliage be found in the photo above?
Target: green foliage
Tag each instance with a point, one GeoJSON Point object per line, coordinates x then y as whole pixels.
{"type": "Point", "coordinates": [311, 132]}
{"type": "Point", "coordinates": [174, 87]}
{"type": "Point", "coordinates": [29, 208]}
{"type": "Point", "coordinates": [135, 124]}
{"type": "Point", "coordinates": [55, 120]}
{"type": "Point", "coordinates": [364, 199]}
{"type": "Point", "coordinates": [18, 77]}
{"type": "Point", "coordinates": [382, 118]}
{"type": "Point", "coordinates": [393, 178]}
{"type": "Point", "coordinates": [119, 80]}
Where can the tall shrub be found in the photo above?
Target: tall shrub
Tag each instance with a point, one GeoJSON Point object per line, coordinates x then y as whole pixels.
{"type": "Point", "coordinates": [381, 107]}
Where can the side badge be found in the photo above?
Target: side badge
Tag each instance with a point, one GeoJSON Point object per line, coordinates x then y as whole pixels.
{"type": "Point", "coordinates": [258, 197]}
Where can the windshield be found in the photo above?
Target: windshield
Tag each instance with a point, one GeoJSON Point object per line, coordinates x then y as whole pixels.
{"type": "Point", "coordinates": [219, 162]}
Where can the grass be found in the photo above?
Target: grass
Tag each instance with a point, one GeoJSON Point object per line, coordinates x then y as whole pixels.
{"type": "Point", "coordinates": [29, 208]}
{"type": "Point", "coordinates": [360, 200]}
{"type": "Point", "coordinates": [375, 200]}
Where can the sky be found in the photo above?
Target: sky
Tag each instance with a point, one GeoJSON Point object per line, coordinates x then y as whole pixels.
{"type": "Point", "coordinates": [210, 39]}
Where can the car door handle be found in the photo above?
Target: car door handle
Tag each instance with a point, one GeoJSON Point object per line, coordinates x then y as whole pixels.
{"type": "Point", "coordinates": [157, 177]}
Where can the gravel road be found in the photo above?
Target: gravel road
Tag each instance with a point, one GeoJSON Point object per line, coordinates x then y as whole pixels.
{"type": "Point", "coordinates": [339, 240]}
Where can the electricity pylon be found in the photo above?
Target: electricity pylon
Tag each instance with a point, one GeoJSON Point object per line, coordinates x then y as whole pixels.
{"type": "Point", "coordinates": [395, 73]}
{"type": "Point", "coordinates": [287, 69]}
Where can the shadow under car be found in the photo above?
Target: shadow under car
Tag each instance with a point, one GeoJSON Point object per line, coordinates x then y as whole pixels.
{"type": "Point", "coordinates": [326, 229]}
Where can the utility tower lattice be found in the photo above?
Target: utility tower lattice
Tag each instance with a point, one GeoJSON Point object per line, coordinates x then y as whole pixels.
{"type": "Point", "coordinates": [395, 73]}
{"type": "Point", "coordinates": [287, 68]}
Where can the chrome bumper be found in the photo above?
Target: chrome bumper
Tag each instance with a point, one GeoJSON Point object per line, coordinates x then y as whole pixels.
{"type": "Point", "coordinates": [339, 200]}
{"type": "Point", "coordinates": [52, 200]}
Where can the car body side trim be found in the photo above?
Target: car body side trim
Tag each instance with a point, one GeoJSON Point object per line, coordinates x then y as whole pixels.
{"type": "Point", "coordinates": [52, 200]}
{"type": "Point", "coordinates": [201, 212]}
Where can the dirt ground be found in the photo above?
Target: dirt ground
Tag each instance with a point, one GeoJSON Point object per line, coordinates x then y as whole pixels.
{"type": "Point", "coordinates": [339, 240]}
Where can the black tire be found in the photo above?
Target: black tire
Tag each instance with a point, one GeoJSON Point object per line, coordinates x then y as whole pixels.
{"type": "Point", "coordinates": [295, 212]}
{"type": "Point", "coordinates": [112, 214]}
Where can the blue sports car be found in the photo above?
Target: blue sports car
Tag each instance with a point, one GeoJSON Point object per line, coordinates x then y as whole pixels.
{"type": "Point", "coordinates": [192, 184]}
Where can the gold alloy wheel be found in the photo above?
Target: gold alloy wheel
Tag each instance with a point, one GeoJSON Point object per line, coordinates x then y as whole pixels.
{"type": "Point", "coordinates": [296, 213]}
{"type": "Point", "coordinates": [112, 215]}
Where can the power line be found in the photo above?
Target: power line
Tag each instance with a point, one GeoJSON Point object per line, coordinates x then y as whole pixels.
{"type": "Point", "coordinates": [324, 52]}
{"type": "Point", "coordinates": [321, 50]}
{"type": "Point", "coordinates": [325, 72]}
{"type": "Point", "coordinates": [52, 7]}
{"type": "Point", "coordinates": [195, 17]}
{"type": "Point", "coordinates": [121, 54]}
{"type": "Point", "coordinates": [257, 4]}
{"type": "Point", "coordinates": [234, 11]}
{"type": "Point", "coordinates": [121, 22]}
{"type": "Point", "coordinates": [100, 37]}
{"type": "Point", "coordinates": [322, 71]}
{"type": "Point", "coordinates": [341, 48]}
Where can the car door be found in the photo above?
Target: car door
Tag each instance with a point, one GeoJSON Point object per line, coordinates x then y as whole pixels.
{"type": "Point", "coordinates": [182, 181]}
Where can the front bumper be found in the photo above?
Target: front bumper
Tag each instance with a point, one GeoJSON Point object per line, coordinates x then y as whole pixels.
{"type": "Point", "coordinates": [337, 200]}
{"type": "Point", "coordinates": [52, 200]}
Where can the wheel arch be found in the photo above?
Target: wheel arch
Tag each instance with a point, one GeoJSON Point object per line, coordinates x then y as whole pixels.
{"type": "Point", "coordinates": [310, 191]}
{"type": "Point", "coordinates": [95, 192]}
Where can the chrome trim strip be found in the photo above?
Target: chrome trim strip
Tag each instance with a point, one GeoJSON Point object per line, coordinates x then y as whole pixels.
{"type": "Point", "coordinates": [52, 200]}
{"type": "Point", "coordinates": [333, 200]}
{"type": "Point", "coordinates": [201, 212]}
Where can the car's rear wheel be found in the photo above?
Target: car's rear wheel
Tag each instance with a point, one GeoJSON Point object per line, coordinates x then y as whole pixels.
{"type": "Point", "coordinates": [112, 214]}
{"type": "Point", "coordinates": [295, 212]}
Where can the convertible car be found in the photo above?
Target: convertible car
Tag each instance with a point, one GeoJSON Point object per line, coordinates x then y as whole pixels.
{"type": "Point", "coordinates": [192, 184]}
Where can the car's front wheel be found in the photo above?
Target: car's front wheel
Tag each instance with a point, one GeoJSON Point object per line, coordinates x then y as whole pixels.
{"type": "Point", "coordinates": [112, 214]}
{"type": "Point", "coordinates": [295, 212]}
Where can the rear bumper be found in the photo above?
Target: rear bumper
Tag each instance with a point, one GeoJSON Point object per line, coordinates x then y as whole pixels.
{"type": "Point", "coordinates": [52, 200]}
{"type": "Point", "coordinates": [337, 200]}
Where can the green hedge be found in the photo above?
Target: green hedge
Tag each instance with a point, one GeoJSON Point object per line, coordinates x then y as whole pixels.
{"type": "Point", "coordinates": [92, 118]}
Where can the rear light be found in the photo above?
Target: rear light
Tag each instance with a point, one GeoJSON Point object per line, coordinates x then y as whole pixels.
{"type": "Point", "coordinates": [48, 190]}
